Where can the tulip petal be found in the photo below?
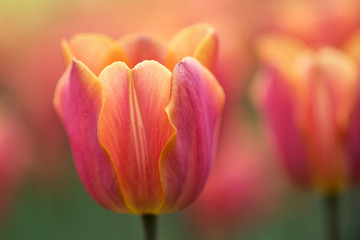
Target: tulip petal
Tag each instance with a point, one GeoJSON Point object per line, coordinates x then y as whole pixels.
{"type": "Point", "coordinates": [140, 47]}
{"type": "Point", "coordinates": [331, 82]}
{"type": "Point", "coordinates": [280, 109]}
{"type": "Point", "coordinates": [78, 100]}
{"type": "Point", "coordinates": [199, 41]}
{"type": "Point", "coordinates": [339, 72]}
{"type": "Point", "coordinates": [194, 110]}
{"type": "Point", "coordinates": [95, 50]}
{"type": "Point", "coordinates": [134, 127]}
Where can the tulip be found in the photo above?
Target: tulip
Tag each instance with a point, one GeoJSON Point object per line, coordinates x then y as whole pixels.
{"type": "Point", "coordinates": [311, 101]}
{"type": "Point", "coordinates": [143, 138]}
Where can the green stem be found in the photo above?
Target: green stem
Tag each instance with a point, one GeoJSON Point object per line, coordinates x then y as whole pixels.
{"type": "Point", "coordinates": [332, 215]}
{"type": "Point", "coordinates": [149, 223]}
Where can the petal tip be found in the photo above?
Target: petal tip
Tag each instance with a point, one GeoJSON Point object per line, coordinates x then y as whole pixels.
{"type": "Point", "coordinates": [150, 64]}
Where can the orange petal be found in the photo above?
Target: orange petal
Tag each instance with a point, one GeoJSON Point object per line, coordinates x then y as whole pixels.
{"type": "Point", "coordinates": [134, 127]}
{"type": "Point", "coordinates": [199, 41]}
{"type": "Point", "coordinates": [140, 47]}
{"type": "Point", "coordinates": [95, 50]}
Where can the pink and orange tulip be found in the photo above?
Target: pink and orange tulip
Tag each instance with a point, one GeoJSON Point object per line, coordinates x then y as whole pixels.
{"type": "Point", "coordinates": [310, 99]}
{"type": "Point", "coordinates": [143, 137]}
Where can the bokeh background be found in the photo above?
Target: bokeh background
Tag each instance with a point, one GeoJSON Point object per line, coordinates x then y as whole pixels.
{"type": "Point", "coordinates": [248, 196]}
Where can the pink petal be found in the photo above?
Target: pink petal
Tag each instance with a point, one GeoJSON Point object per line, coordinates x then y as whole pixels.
{"type": "Point", "coordinates": [194, 110]}
{"type": "Point", "coordinates": [78, 100]}
{"type": "Point", "coordinates": [134, 127]}
{"type": "Point", "coordinates": [280, 110]}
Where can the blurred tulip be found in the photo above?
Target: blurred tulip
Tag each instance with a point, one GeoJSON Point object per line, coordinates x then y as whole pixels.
{"type": "Point", "coordinates": [137, 148]}
{"type": "Point", "coordinates": [309, 99]}
{"type": "Point", "coordinates": [234, 195]}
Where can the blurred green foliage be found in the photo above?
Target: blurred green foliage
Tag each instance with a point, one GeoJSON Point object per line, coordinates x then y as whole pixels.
{"type": "Point", "coordinates": [72, 214]}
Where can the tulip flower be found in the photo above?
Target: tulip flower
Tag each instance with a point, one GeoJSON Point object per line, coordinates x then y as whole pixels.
{"type": "Point", "coordinates": [311, 101]}
{"type": "Point", "coordinates": [143, 138]}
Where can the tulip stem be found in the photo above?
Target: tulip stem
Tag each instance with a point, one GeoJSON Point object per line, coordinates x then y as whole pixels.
{"type": "Point", "coordinates": [332, 215]}
{"type": "Point", "coordinates": [149, 223]}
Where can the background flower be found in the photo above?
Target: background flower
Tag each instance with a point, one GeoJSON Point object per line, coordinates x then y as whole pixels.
{"type": "Point", "coordinates": [309, 101]}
